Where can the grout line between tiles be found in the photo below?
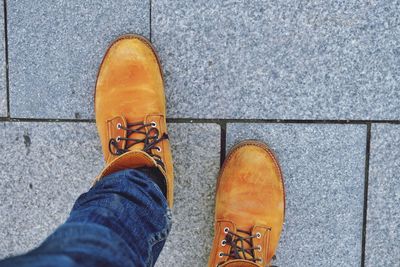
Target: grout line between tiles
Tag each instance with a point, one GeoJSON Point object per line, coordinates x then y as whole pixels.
{"type": "Point", "coordinates": [6, 58]}
{"type": "Point", "coordinates": [150, 3]}
{"type": "Point", "coordinates": [218, 121]}
{"type": "Point", "coordinates": [223, 142]}
{"type": "Point", "coordinates": [366, 181]}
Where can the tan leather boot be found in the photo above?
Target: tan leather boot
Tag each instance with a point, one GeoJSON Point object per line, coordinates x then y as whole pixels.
{"type": "Point", "coordinates": [130, 110]}
{"type": "Point", "coordinates": [250, 207]}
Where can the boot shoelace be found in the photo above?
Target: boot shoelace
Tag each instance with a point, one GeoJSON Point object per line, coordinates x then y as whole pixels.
{"type": "Point", "coordinates": [237, 244]}
{"type": "Point", "coordinates": [150, 140]}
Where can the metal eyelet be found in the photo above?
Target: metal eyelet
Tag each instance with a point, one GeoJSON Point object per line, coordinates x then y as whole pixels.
{"type": "Point", "coordinates": [119, 125]}
{"type": "Point", "coordinates": [226, 230]}
{"type": "Point", "coordinates": [153, 124]}
{"type": "Point", "coordinates": [220, 255]}
{"type": "Point", "coordinates": [223, 243]}
{"type": "Point", "coordinates": [259, 247]}
{"type": "Point", "coordinates": [258, 235]}
{"type": "Point", "coordinates": [158, 148]}
{"type": "Point", "coordinates": [118, 139]}
{"type": "Point", "coordinates": [261, 260]}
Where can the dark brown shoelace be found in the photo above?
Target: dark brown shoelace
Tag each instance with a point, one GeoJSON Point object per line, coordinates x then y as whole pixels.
{"type": "Point", "coordinates": [238, 249]}
{"type": "Point", "coordinates": [150, 139]}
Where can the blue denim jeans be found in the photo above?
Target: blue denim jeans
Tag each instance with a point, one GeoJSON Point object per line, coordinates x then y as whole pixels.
{"type": "Point", "coordinates": [122, 221]}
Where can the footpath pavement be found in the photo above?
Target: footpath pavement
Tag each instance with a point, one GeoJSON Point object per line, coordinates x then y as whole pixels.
{"type": "Point", "coordinates": [319, 81]}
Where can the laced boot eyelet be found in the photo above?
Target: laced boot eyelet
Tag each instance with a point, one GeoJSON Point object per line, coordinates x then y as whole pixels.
{"type": "Point", "coordinates": [220, 255]}
{"type": "Point", "coordinates": [226, 230]}
{"type": "Point", "coordinates": [259, 248]}
{"type": "Point", "coordinates": [258, 235]}
{"type": "Point", "coordinates": [150, 139]}
{"type": "Point", "coordinates": [223, 243]}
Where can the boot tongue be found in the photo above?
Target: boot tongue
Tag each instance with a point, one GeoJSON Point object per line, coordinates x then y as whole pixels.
{"type": "Point", "coordinates": [246, 244]}
{"type": "Point", "coordinates": [137, 131]}
{"type": "Point", "coordinates": [120, 128]}
{"type": "Point", "coordinates": [239, 263]}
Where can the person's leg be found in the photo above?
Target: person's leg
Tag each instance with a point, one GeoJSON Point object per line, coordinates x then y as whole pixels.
{"type": "Point", "coordinates": [122, 221]}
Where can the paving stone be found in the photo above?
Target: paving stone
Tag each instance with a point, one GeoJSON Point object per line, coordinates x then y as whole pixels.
{"type": "Point", "coordinates": [280, 60]}
{"type": "Point", "coordinates": [45, 166]}
{"type": "Point", "coordinates": [43, 169]}
{"type": "Point", "coordinates": [196, 150]}
{"type": "Point", "coordinates": [55, 48]}
{"type": "Point", "coordinates": [323, 167]}
{"type": "Point", "coordinates": [3, 93]}
{"type": "Point", "coordinates": [383, 216]}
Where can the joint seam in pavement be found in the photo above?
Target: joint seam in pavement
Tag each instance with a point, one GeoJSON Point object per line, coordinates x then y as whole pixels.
{"type": "Point", "coordinates": [150, 26]}
{"type": "Point", "coordinates": [7, 85]}
{"type": "Point", "coordinates": [366, 177]}
{"type": "Point", "coordinates": [217, 121]}
{"type": "Point", "coordinates": [222, 126]}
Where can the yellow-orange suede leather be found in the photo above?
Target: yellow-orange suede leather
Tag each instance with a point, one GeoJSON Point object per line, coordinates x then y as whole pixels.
{"type": "Point", "coordinates": [250, 197]}
{"type": "Point", "coordinates": [130, 89]}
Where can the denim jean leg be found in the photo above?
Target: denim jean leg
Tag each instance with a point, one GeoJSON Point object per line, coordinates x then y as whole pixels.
{"type": "Point", "coordinates": [122, 221]}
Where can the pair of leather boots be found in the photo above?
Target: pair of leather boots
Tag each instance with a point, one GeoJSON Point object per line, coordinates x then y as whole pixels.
{"type": "Point", "coordinates": [131, 119]}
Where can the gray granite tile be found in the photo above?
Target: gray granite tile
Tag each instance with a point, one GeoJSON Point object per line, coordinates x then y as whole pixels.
{"type": "Point", "coordinates": [44, 167]}
{"type": "Point", "coordinates": [55, 48]}
{"type": "Point", "coordinates": [281, 60]}
{"type": "Point", "coordinates": [383, 215]}
{"type": "Point", "coordinates": [323, 167]}
{"type": "Point", "coordinates": [3, 93]}
{"type": "Point", "coordinates": [196, 150]}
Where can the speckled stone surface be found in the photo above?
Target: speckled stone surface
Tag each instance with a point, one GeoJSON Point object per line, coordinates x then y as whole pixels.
{"type": "Point", "coordinates": [383, 217]}
{"type": "Point", "coordinates": [56, 47]}
{"type": "Point", "coordinates": [280, 60]}
{"type": "Point", "coordinates": [44, 167]}
{"type": "Point", "coordinates": [41, 176]}
{"type": "Point", "coordinates": [323, 167]}
{"type": "Point", "coordinates": [3, 93]}
{"type": "Point", "coordinates": [196, 151]}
